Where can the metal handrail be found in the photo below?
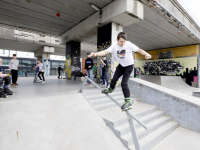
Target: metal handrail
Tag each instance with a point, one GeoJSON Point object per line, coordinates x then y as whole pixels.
{"type": "Point", "coordinates": [129, 115]}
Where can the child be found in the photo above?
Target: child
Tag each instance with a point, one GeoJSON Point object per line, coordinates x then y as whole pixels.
{"type": "Point", "coordinates": [4, 89]}
{"type": "Point", "coordinates": [122, 51]}
{"type": "Point", "coordinates": [41, 71]}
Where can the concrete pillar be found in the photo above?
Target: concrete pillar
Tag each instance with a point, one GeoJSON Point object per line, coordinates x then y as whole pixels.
{"type": "Point", "coordinates": [106, 35]}
{"type": "Point", "coordinates": [44, 53]}
{"type": "Point", "coordinates": [46, 63]}
{"type": "Point", "coordinates": [72, 63]}
{"type": "Point", "coordinates": [198, 69]}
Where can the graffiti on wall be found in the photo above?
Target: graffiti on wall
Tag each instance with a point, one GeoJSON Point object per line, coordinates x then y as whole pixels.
{"type": "Point", "coordinates": [112, 64]}
{"type": "Point", "coordinates": [68, 67]}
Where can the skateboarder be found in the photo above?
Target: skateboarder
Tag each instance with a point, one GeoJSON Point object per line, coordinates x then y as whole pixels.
{"type": "Point", "coordinates": [122, 52]}
{"type": "Point", "coordinates": [41, 71]}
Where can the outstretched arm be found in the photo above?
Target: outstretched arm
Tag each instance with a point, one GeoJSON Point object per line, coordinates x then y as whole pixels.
{"type": "Point", "coordinates": [3, 75]}
{"type": "Point", "coordinates": [142, 52]}
{"type": "Point", "coordinates": [35, 67]}
{"type": "Point", "coordinates": [102, 53]}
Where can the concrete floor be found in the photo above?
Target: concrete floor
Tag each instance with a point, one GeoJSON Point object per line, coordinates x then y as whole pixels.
{"type": "Point", "coordinates": [180, 139]}
{"type": "Point", "coordinates": [52, 116]}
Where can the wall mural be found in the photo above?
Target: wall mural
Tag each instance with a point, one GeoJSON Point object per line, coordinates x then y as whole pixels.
{"type": "Point", "coordinates": [75, 66]}
{"type": "Point", "coordinates": [162, 67]}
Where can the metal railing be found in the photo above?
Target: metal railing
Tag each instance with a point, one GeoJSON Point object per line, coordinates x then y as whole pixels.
{"type": "Point", "coordinates": [129, 115]}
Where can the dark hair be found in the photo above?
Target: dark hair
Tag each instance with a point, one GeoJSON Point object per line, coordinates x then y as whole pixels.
{"type": "Point", "coordinates": [88, 53]}
{"type": "Point", "coordinates": [103, 56]}
{"type": "Point", "coordinates": [14, 55]}
{"type": "Point", "coordinates": [122, 35]}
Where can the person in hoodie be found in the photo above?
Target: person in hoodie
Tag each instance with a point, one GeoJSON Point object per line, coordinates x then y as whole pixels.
{"type": "Point", "coordinates": [88, 66]}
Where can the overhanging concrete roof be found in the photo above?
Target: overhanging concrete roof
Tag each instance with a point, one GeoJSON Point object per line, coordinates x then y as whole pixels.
{"type": "Point", "coordinates": [154, 32]}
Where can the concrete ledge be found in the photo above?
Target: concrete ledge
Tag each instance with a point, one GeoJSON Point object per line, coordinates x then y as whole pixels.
{"type": "Point", "coordinates": [197, 94]}
{"type": "Point", "coordinates": [183, 108]}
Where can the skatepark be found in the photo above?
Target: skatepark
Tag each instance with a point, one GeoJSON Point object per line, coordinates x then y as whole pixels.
{"type": "Point", "coordinates": [175, 83]}
{"type": "Point", "coordinates": [79, 110]}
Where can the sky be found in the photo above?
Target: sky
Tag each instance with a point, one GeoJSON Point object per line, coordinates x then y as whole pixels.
{"type": "Point", "coordinates": [192, 7]}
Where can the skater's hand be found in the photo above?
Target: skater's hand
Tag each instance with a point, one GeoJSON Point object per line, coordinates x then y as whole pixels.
{"type": "Point", "coordinates": [10, 69]}
{"type": "Point", "coordinates": [148, 56]}
{"type": "Point", "coordinates": [89, 66]}
{"type": "Point", "coordinates": [92, 55]}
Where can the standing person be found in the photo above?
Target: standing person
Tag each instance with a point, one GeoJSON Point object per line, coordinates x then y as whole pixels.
{"type": "Point", "coordinates": [122, 51]}
{"type": "Point", "coordinates": [59, 70]}
{"type": "Point", "coordinates": [13, 66]}
{"type": "Point", "coordinates": [88, 66]}
{"type": "Point", "coordinates": [94, 70]}
{"type": "Point", "coordinates": [104, 71]}
{"type": "Point", "coordinates": [4, 88]}
{"type": "Point", "coordinates": [41, 71]}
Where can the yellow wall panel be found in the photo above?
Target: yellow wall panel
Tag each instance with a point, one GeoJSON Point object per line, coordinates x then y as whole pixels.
{"type": "Point", "coordinates": [177, 51]}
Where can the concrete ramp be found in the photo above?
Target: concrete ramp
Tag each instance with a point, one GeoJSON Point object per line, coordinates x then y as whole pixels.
{"type": "Point", "coordinates": [65, 122]}
{"type": "Point", "coordinates": [172, 82]}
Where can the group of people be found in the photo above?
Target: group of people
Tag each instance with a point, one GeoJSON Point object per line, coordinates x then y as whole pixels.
{"type": "Point", "coordinates": [89, 65]}
{"type": "Point", "coordinates": [5, 79]}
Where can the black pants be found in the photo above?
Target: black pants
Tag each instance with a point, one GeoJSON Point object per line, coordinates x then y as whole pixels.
{"type": "Point", "coordinates": [42, 75]}
{"type": "Point", "coordinates": [59, 75]}
{"type": "Point", "coordinates": [104, 77]}
{"type": "Point", "coordinates": [126, 72]}
{"type": "Point", "coordinates": [14, 76]}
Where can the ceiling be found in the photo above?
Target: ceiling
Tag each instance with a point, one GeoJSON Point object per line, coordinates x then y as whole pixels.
{"type": "Point", "coordinates": [40, 15]}
{"type": "Point", "coordinates": [154, 32]}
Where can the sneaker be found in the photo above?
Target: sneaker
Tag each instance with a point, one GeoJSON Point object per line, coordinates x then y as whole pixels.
{"type": "Point", "coordinates": [42, 82]}
{"type": "Point", "coordinates": [108, 90]}
{"type": "Point", "coordinates": [16, 84]}
{"type": "Point", "coordinates": [13, 84]}
{"type": "Point", "coordinates": [103, 86]}
{"type": "Point", "coordinates": [90, 84]}
{"type": "Point", "coordinates": [8, 91]}
{"type": "Point", "coordinates": [127, 104]}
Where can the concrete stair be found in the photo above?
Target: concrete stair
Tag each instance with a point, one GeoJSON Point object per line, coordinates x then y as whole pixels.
{"type": "Point", "coordinates": [159, 125]}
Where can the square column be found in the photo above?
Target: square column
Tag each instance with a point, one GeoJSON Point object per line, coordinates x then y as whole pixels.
{"type": "Point", "coordinates": [46, 63]}
{"type": "Point", "coordinates": [106, 35]}
{"type": "Point", "coordinates": [72, 63]}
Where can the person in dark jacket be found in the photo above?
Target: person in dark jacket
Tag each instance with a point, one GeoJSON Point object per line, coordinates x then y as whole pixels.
{"type": "Point", "coordinates": [104, 71]}
{"type": "Point", "coordinates": [88, 66]}
{"type": "Point", "coordinates": [59, 70]}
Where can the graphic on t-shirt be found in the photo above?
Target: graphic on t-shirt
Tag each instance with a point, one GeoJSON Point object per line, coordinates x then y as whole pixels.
{"type": "Point", "coordinates": [121, 53]}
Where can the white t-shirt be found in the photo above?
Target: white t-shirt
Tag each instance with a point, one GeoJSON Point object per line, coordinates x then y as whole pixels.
{"type": "Point", "coordinates": [123, 55]}
{"type": "Point", "coordinates": [40, 67]}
